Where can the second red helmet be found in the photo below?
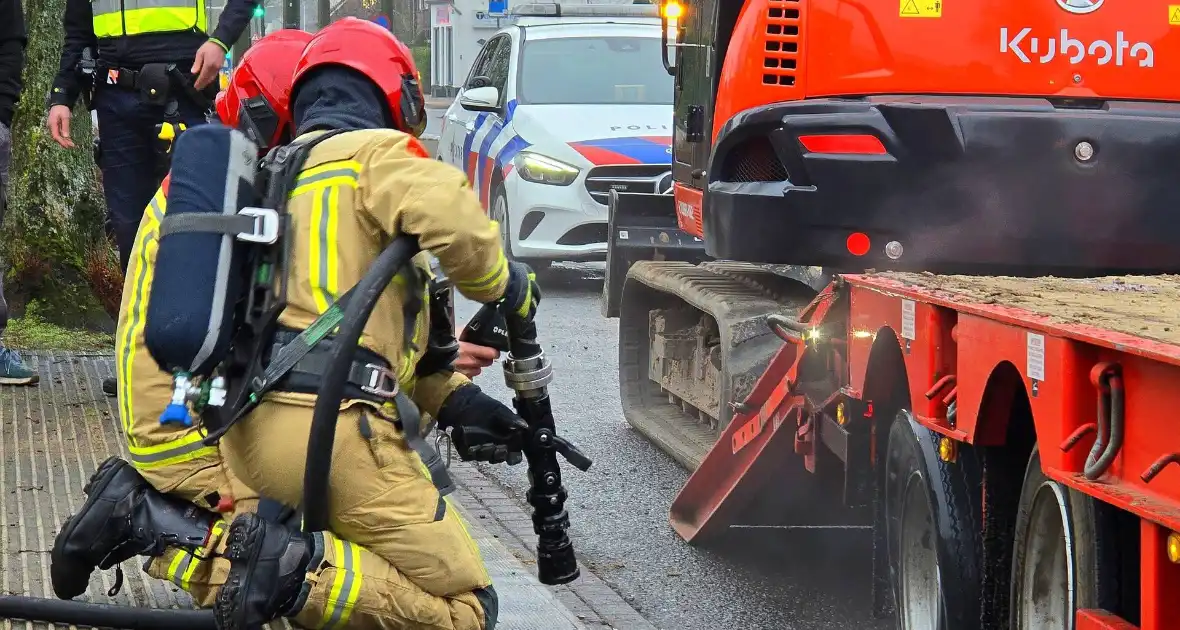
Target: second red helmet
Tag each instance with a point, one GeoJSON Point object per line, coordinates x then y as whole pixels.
{"type": "Point", "coordinates": [258, 97]}
{"type": "Point", "coordinates": [367, 48]}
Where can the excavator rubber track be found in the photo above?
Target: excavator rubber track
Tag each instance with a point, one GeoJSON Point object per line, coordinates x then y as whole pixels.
{"type": "Point", "coordinates": [693, 340]}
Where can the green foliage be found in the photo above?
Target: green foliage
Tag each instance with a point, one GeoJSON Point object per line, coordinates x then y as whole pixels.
{"type": "Point", "coordinates": [422, 61]}
{"type": "Point", "coordinates": [54, 222]}
{"type": "Point", "coordinates": [34, 332]}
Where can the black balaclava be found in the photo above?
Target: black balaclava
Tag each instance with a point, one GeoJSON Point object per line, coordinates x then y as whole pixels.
{"type": "Point", "coordinates": [336, 97]}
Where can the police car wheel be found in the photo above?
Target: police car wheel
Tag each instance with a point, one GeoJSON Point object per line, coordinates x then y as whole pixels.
{"type": "Point", "coordinates": [498, 212]}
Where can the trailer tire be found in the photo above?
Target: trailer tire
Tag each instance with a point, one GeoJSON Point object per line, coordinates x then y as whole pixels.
{"type": "Point", "coordinates": [1058, 535]}
{"type": "Point", "coordinates": [932, 517]}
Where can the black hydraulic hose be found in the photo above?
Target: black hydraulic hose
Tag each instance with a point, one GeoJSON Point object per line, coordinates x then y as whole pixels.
{"type": "Point", "coordinates": [331, 392]}
{"type": "Point", "coordinates": [86, 614]}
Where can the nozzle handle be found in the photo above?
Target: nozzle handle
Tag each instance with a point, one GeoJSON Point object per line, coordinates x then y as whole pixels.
{"type": "Point", "coordinates": [571, 453]}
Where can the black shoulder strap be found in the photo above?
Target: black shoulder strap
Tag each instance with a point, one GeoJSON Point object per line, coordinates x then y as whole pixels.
{"type": "Point", "coordinates": [283, 165]}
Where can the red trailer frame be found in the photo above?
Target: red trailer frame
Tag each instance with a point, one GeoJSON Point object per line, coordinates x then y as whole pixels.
{"type": "Point", "coordinates": [961, 357]}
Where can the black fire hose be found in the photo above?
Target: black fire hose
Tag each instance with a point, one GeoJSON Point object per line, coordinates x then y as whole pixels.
{"type": "Point", "coordinates": [327, 404]}
{"type": "Point", "coordinates": [60, 611]}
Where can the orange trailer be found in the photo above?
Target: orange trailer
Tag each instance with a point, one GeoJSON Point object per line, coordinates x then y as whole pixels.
{"type": "Point", "coordinates": [1041, 403]}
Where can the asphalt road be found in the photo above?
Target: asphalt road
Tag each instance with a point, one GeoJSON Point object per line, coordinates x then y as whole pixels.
{"type": "Point", "coordinates": [765, 579]}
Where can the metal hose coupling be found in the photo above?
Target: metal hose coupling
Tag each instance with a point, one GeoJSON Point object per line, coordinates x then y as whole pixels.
{"type": "Point", "coordinates": [528, 377]}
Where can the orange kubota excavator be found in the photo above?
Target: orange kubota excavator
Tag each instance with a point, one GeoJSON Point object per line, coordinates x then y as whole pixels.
{"type": "Point", "coordinates": [815, 138]}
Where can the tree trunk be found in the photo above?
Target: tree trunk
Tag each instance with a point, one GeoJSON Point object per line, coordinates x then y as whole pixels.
{"type": "Point", "coordinates": [54, 238]}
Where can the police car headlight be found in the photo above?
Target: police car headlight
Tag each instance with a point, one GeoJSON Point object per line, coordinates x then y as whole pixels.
{"type": "Point", "coordinates": [539, 169]}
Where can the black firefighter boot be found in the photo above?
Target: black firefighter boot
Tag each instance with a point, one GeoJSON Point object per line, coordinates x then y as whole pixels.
{"type": "Point", "coordinates": [123, 517]}
{"type": "Point", "coordinates": [268, 567]}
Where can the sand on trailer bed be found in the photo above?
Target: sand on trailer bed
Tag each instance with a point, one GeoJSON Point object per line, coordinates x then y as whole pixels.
{"type": "Point", "coordinates": [1143, 306]}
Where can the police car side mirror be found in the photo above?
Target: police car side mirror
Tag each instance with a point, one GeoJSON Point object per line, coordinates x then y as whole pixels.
{"type": "Point", "coordinates": [480, 99]}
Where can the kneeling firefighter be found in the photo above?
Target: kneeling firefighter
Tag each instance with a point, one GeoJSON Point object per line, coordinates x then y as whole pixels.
{"type": "Point", "coordinates": [365, 182]}
{"type": "Point", "coordinates": [127, 512]}
{"type": "Point", "coordinates": [174, 486]}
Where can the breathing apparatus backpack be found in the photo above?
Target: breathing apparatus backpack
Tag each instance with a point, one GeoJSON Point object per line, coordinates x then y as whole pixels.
{"type": "Point", "coordinates": [220, 274]}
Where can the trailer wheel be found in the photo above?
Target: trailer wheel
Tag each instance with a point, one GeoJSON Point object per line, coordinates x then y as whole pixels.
{"type": "Point", "coordinates": [932, 527]}
{"type": "Point", "coordinates": [1055, 562]}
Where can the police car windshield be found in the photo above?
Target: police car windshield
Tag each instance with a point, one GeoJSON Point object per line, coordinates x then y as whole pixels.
{"type": "Point", "coordinates": [594, 71]}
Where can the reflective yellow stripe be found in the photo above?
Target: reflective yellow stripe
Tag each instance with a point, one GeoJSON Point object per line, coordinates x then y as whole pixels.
{"type": "Point", "coordinates": [354, 590]}
{"type": "Point", "coordinates": [184, 565]}
{"type": "Point", "coordinates": [184, 449]}
{"type": "Point", "coordinates": [140, 270]}
{"type": "Point", "coordinates": [345, 588]}
{"type": "Point", "coordinates": [186, 579]}
{"type": "Point", "coordinates": [179, 565]}
{"type": "Point", "coordinates": [498, 274]}
{"type": "Point", "coordinates": [325, 181]}
{"type": "Point", "coordinates": [324, 272]}
{"type": "Point", "coordinates": [135, 17]}
{"type": "Point", "coordinates": [336, 173]}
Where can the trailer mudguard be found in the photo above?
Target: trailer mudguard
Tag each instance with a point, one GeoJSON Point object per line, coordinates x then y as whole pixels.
{"type": "Point", "coordinates": [200, 270]}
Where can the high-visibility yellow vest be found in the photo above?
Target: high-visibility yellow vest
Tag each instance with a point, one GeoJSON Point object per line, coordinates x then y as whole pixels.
{"type": "Point", "coordinates": [114, 18]}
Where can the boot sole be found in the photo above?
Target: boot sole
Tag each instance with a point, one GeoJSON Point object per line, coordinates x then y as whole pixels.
{"type": "Point", "coordinates": [94, 487]}
{"type": "Point", "coordinates": [229, 612]}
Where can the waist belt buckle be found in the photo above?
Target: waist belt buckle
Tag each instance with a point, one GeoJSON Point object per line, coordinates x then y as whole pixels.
{"type": "Point", "coordinates": [380, 381]}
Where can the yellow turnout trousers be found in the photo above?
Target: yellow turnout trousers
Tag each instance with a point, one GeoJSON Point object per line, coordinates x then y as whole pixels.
{"type": "Point", "coordinates": [350, 588]}
{"type": "Point", "coordinates": [381, 498]}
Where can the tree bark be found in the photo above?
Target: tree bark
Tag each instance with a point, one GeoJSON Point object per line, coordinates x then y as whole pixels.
{"type": "Point", "coordinates": [54, 239]}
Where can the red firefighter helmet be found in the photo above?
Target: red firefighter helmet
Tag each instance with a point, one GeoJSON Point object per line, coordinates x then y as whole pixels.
{"type": "Point", "coordinates": [367, 48]}
{"type": "Point", "coordinates": [258, 97]}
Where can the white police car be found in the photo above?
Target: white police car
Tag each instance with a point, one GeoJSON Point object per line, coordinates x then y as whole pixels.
{"type": "Point", "coordinates": [556, 112]}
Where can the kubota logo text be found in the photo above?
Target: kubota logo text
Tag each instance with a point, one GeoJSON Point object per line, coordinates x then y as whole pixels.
{"type": "Point", "coordinates": [1044, 50]}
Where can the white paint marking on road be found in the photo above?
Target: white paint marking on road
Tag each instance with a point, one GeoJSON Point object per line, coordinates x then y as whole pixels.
{"type": "Point", "coordinates": [800, 526]}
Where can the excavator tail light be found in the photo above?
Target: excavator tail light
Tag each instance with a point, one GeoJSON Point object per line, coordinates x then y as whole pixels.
{"type": "Point", "coordinates": [858, 243]}
{"type": "Point", "coordinates": [858, 144]}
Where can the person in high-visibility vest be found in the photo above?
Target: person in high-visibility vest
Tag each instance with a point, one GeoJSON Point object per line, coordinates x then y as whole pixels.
{"type": "Point", "coordinates": [138, 65]}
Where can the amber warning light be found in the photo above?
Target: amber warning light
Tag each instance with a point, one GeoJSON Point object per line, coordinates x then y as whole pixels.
{"type": "Point", "coordinates": [673, 11]}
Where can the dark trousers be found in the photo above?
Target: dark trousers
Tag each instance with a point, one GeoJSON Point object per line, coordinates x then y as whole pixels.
{"type": "Point", "coordinates": [129, 158]}
{"type": "Point", "coordinates": [5, 159]}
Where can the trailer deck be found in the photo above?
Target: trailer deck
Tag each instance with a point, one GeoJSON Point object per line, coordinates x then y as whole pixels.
{"type": "Point", "coordinates": [1141, 306]}
{"type": "Point", "coordinates": [53, 436]}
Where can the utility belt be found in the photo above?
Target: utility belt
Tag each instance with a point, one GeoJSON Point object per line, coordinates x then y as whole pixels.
{"type": "Point", "coordinates": [371, 379]}
{"type": "Point", "coordinates": [120, 76]}
{"type": "Point", "coordinates": [156, 83]}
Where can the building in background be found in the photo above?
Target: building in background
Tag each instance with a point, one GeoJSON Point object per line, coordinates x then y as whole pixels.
{"type": "Point", "coordinates": [459, 29]}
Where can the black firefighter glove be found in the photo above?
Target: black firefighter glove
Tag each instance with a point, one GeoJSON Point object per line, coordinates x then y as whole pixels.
{"type": "Point", "coordinates": [483, 429]}
{"type": "Point", "coordinates": [521, 299]}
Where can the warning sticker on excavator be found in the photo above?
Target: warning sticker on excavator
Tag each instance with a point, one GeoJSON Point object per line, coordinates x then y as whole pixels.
{"type": "Point", "coordinates": [1174, 14]}
{"type": "Point", "coordinates": [921, 9]}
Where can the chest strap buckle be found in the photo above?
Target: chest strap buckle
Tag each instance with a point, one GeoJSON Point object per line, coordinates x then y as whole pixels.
{"type": "Point", "coordinates": [379, 381]}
